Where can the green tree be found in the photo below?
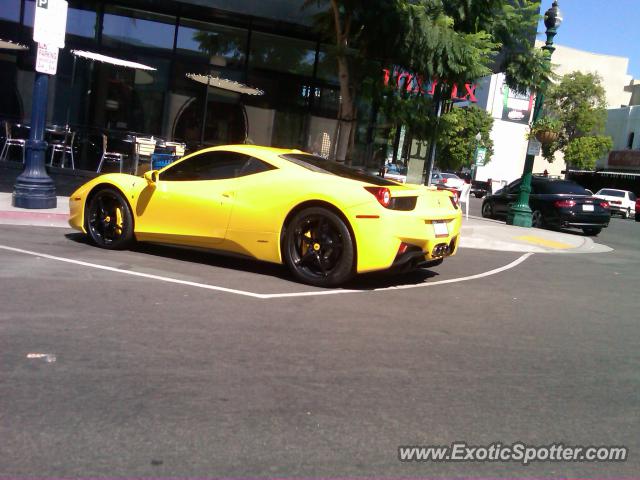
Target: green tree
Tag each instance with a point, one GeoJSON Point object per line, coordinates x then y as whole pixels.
{"type": "Point", "coordinates": [457, 142]}
{"type": "Point", "coordinates": [456, 40]}
{"type": "Point", "coordinates": [579, 103]}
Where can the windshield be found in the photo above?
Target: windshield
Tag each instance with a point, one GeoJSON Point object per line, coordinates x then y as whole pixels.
{"type": "Point", "coordinates": [611, 193]}
{"type": "Point", "coordinates": [560, 187]}
{"type": "Point", "coordinates": [322, 165]}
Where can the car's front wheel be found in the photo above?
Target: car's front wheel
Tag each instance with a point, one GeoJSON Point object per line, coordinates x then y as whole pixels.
{"type": "Point", "coordinates": [109, 221]}
{"type": "Point", "coordinates": [318, 248]}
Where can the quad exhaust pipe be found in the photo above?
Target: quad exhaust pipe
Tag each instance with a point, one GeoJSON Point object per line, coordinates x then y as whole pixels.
{"type": "Point", "coordinates": [440, 250]}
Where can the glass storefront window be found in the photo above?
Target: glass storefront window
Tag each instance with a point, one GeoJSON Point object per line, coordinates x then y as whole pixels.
{"type": "Point", "coordinates": [327, 64]}
{"type": "Point", "coordinates": [283, 54]}
{"type": "Point", "coordinates": [79, 22]}
{"type": "Point", "coordinates": [10, 10]}
{"type": "Point", "coordinates": [220, 45]}
{"type": "Point", "coordinates": [126, 27]}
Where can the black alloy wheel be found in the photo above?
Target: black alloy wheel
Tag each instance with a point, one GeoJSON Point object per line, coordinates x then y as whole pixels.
{"type": "Point", "coordinates": [108, 220]}
{"type": "Point", "coordinates": [318, 248]}
{"type": "Point", "coordinates": [487, 209]}
{"type": "Point", "coordinates": [537, 220]}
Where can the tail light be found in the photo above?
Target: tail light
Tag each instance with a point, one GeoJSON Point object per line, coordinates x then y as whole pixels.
{"type": "Point", "coordinates": [382, 194]}
{"type": "Point", "coordinates": [604, 204]}
{"type": "Point", "coordinates": [445, 180]}
{"type": "Point", "coordinates": [565, 203]}
{"type": "Point", "coordinates": [616, 202]}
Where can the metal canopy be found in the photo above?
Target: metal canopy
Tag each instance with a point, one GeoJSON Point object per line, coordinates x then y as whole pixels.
{"type": "Point", "coordinates": [9, 45]}
{"type": "Point", "coordinates": [224, 84]}
{"type": "Point", "coordinates": [112, 60]}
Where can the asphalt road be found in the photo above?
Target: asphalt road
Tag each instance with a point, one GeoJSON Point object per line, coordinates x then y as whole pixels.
{"type": "Point", "coordinates": [153, 378]}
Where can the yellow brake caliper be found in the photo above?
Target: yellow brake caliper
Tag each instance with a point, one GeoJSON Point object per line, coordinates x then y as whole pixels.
{"type": "Point", "coordinates": [119, 220]}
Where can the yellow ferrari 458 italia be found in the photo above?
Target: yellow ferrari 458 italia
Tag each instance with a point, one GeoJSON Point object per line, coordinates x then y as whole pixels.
{"type": "Point", "coordinates": [323, 220]}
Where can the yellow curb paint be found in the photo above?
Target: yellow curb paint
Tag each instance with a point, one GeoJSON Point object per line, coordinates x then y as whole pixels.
{"type": "Point", "coordinates": [544, 242]}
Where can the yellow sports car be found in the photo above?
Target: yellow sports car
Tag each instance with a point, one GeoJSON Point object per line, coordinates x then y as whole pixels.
{"type": "Point", "coordinates": [324, 220]}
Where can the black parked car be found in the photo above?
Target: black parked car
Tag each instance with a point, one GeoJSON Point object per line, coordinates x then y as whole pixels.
{"type": "Point", "coordinates": [554, 203]}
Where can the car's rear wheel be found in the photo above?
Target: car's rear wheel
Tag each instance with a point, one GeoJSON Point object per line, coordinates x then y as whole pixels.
{"type": "Point", "coordinates": [109, 220]}
{"type": "Point", "coordinates": [592, 231]}
{"type": "Point", "coordinates": [626, 213]}
{"type": "Point", "coordinates": [537, 220]}
{"type": "Point", "coordinates": [318, 248]}
{"type": "Point", "coordinates": [487, 210]}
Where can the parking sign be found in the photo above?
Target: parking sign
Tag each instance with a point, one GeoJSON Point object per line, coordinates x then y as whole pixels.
{"type": "Point", "coordinates": [50, 22]}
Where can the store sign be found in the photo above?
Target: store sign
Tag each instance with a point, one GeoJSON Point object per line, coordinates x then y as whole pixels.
{"type": "Point", "coordinates": [416, 84]}
{"type": "Point", "coordinates": [50, 23]}
{"type": "Point", "coordinates": [628, 159]}
{"type": "Point", "coordinates": [47, 59]}
{"type": "Point", "coordinates": [481, 156]}
{"type": "Point", "coordinates": [516, 107]}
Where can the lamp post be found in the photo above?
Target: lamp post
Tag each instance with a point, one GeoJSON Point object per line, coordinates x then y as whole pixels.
{"type": "Point", "coordinates": [474, 162]}
{"type": "Point", "coordinates": [520, 213]}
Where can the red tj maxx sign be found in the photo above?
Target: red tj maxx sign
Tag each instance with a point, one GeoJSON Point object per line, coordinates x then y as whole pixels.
{"type": "Point", "coordinates": [416, 84]}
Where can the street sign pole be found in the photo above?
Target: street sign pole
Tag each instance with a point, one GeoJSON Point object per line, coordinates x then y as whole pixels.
{"type": "Point", "coordinates": [34, 188]}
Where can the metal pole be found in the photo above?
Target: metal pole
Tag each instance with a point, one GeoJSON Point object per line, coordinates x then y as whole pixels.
{"type": "Point", "coordinates": [34, 188]}
{"type": "Point", "coordinates": [434, 138]}
{"type": "Point", "coordinates": [520, 214]}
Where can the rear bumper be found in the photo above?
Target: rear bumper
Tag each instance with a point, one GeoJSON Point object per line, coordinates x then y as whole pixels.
{"type": "Point", "coordinates": [378, 238]}
{"type": "Point", "coordinates": [581, 220]}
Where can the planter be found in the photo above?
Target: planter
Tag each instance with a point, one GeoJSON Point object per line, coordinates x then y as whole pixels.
{"type": "Point", "coordinates": [547, 137]}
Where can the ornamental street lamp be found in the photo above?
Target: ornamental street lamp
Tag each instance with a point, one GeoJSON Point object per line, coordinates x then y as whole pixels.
{"type": "Point", "coordinates": [520, 213]}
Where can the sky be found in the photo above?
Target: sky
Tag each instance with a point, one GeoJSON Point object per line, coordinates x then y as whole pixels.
{"type": "Point", "coordinates": [610, 27]}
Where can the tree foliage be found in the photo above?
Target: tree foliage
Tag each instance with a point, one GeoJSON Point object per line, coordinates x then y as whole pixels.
{"type": "Point", "coordinates": [579, 103]}
{"type": "Point", "coordinates": [452, 40]}
{"type": "Point", "coordinates": [457, 142]}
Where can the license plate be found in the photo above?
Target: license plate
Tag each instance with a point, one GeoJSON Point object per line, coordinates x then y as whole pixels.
{"type": "Point", "coordinates": [587, 208]}
{"type": "Point", "coordinates": [440, 229]}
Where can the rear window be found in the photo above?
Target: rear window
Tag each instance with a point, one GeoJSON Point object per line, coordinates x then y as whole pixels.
{"type": "Point", "coordinates": [322, 165]}
{"type": "Point", "coordinates": [561, 187]}
{"type": "Point", "coordinates": [611, 193]}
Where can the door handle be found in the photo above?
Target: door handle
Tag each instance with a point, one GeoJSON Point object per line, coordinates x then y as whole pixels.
{"type": "Point", "coordinates": [227, 194]}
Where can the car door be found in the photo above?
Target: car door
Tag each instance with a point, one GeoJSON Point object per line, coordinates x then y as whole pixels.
{"type": "Point", "coordinates": [192, 200]}
{"type": "Point", "coordinates": [509, 194]}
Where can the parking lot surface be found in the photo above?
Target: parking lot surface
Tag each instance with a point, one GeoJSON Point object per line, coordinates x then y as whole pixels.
{"type": "Point", "coordinates": [151, 373]}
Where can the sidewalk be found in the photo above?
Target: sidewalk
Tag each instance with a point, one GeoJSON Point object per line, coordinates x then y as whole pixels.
{"type": "Point", "coordinates": [477, 233]}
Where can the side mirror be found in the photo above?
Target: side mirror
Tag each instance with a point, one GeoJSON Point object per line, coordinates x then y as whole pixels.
{"type": "Point", "coordinates": [151, 177]}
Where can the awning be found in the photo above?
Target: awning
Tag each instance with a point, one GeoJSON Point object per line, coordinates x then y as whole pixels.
{"type": "Point", "coordinates": [224, 84]}
{"type": "Point", "coordinates": [112, 60]}
{"type": "Point", "coordinates": [9, 45]}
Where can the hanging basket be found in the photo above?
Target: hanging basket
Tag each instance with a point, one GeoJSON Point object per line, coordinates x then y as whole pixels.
{"type": "Point", "coordinates": [547, 137]}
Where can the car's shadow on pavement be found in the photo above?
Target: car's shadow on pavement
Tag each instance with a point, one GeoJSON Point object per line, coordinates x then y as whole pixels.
{"type": "Point", "coordinates": [367, 281]}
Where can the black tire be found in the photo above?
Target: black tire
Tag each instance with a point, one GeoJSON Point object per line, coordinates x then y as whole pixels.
{"type": "Point", "coordinates": [626, 213]}
{"type": "Point", "coordinates": [108, 220]}
{"type": "Point", "coordinates": [318, 248]}
{"type": "Point", "coordinates": [637, 217]}
{"type": "Point", "coordinates": [537, 219]}
{"type": "Point", "coordinates": [479, 195]}
{"type": "Point", "coordinates": [592, 231]}
{"type": "Point", "coordinates": [487, 210]}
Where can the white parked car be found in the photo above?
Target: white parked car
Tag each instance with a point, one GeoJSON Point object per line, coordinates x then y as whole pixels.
{"type": "Point", "coordinates": [395, 172]}
{"type": "Point", "coordinates": [621, 201]}
{"type": "Point", "coordinates": [447, 180]}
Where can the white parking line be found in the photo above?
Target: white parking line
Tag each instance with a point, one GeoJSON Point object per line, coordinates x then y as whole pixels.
{"type": "Point", "coordinates": [266, 296]}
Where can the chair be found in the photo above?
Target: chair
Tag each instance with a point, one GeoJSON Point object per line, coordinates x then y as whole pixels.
{"type": "Point", "coordinates": [10, 141]}
{"type": "Point", "coordinates": [65, 147]}
{"type": "Point", "coordinates": [110, 157]}
{"type": "Point", "coordinates": [179, 148]}
{"type": "Point", "coordinates": [145, 146]}
{"type": "Point", "coordinates": [464, 198]}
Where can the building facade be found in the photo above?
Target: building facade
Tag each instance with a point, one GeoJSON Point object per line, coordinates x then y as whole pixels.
{"type": "Point", "coordinates": [266, 44]}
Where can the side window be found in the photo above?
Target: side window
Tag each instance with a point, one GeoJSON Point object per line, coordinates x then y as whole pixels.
{"type": "Point", "coordinates": [632, 196]}
{"type": "Point", "coordinates": [218, 165]}
{"type": "Point", "coordinates": [514, 187]}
